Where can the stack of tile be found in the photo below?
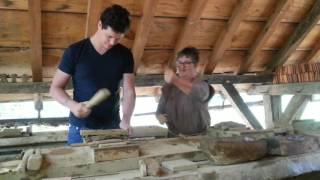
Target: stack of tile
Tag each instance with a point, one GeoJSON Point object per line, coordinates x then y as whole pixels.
{"type": "Point", "coordinates": [297, 73]}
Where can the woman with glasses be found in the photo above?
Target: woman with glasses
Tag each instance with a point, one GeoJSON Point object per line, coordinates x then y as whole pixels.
{"type": "Point", "coordinates": [183, 105]}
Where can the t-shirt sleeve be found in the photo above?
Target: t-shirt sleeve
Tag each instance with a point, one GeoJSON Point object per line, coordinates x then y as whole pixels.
{"type": "Point", "coordinates": [67, 63]}
{"type": "Point", "coordinates": [163, 100]}
{"type": "Point", "coordinates": [129, 62]}
{"type": "Point", "coordinates": [202, 91]}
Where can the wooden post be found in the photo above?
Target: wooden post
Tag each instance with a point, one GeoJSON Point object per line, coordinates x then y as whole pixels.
{"type": "Point", "coordinates": [36, 40]}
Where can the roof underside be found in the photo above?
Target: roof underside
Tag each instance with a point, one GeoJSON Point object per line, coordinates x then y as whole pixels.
{"type": "Point", "coordinates": [234, 36]}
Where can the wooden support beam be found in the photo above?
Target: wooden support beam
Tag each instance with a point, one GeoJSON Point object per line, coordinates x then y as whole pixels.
{"type": "Point", "coordinates": [314, 56]}
{"type": "Point", "coordinates": [23, 122]}
{"type": "Point", "coordinates": [140, 81]}
{"type": "Point", "coordinates": [93, 15]}
{"type": "Point", "coordinates": [292, 108]}
{"type": "Point", "coordinates": [304, 27]}
{"type": "Point", "coordinates": [143, 31]}
{"type": "Point", "coordinates": [226, 35]}
{"type": "Point", "coordinates": [300, 111]}
{"type": "Point", "coordinates": [36, 138]}
{"type": "Point", "coordinates": [35, 39]}
{"type": "Point", "coordinates": [264, 36]}
{"type": "Point", "coordinates": [272, 108]}
{"type": "Point", "coordinates": [308, 88]}
{"type": "Point", "coordinates": [189, 26]}
{"type": "Point", "coordinates": [238, 103]}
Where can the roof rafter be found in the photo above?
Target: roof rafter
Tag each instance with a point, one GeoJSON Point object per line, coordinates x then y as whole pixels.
{"type": "Point", "coordinates": [304, 27]}
{"type": "Point", "coordinates": [226, 35]}
{"type": "Point", "coordinates": [266, 33]}
{"type": "Point", "coordinates": [192, 19]}
{"type": "Point", "coordinates": [35, 39]}
{"type": "Point", "coordinates": [143, 30]}
{"type": "Point", "coordinates": [314, 56]}
{"type": "Point", "coordinates": [93, 15]}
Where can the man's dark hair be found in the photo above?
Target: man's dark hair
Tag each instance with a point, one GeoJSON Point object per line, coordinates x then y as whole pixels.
{"type": "Point", "coordinates": [190, 52]}
{"type": "Point", "coordinates": [117, 17]}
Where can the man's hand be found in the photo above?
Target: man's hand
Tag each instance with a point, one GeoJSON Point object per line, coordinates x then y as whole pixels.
{"type": "Point", "coordinates": [124, 125]}
{"type": "Point", "coordinates": [162, 118]}
{"type": "Point", "coordinates": [169, 75]}
{"type": "Point", "coordinates": [80, 110]}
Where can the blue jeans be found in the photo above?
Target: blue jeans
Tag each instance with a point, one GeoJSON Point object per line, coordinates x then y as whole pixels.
{"type": "Point", "coordinates": [74, 136]}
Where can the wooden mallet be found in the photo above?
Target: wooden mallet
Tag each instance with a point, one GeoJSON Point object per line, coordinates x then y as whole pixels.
{"type": "Point", "coordinates": [101, 95]}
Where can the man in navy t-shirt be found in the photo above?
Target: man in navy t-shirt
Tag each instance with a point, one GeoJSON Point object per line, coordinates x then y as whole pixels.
{"type": "Point", "coordinates": [94, 63]}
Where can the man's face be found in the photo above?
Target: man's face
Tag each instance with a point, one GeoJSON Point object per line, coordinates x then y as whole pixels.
{"type": "Point", "coordinates": [109, 38]}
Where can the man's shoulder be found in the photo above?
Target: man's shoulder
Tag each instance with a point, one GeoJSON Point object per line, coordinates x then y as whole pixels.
{"type": "Point", "coordinates": [79, 44]}
{"type": "Point", "coordinates": [122, 48]}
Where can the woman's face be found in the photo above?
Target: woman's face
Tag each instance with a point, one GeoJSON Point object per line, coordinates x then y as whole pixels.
{"type": "Point", "coordinates": [185, 66]}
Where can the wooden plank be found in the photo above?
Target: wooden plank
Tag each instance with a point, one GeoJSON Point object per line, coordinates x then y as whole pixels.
{"type": "Point", "coordinates": [238, 103]}
{"type": "Point", "coordinates": [48, 5]}
{"type": "Point", "coordinates": [188, 28]}
{"type": "Point", "coordinates": [226, 35]}
{"type": "Point", "coordinates": [58, 32]}
{"type": "Point", "coordinates": [37, 138]}
{"type": "Point", "coordinates": [143, 31]}
{"type": "Point", "coordinates": [265, 34]}
{"type": "Point", "coordinates": [93, 16]}
{"type": "Point", "coordinates": [65, 6]}
{"type": "Point", "coordinates": [111, 133]}
{"type": "Point", "coordinates": [292, 108]}
{"type": "Point", "coordinates": [304, 27]}
{"type": "Point", "coordinates": [308, 88]}
{"type": "Point", "coordinates": [36, 39]}
{"type": "Point", "coordinates": [23, 121]}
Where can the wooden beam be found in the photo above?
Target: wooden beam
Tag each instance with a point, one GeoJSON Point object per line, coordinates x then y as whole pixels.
{"type": "Point", "coordinates": [140, 81]}
{"type": "Point", "coordinates": [23, 122]}
{"type": "Point", "coordinates": [226, 35]}
{"type": "Point", "coordinates": [292, 108]}
{"type": "Point", "coordinates": [314, 56]}
{"type": "Point", "coordinates": [35, 39]}
{"type": "Point", "coordinates": [93, 16]}
{"type": "Point", "coordinates": [293, 88]}
{"type": "Point", "coordinates": [272, 109]}
{"type": "Point", "coordinates": [300, 111]}
{"type": "Point", "coordinates": [237, 102]}
{"type": "Point", "coordinates": [37, 138]}
{"type": "Point", "coordinates": [304, 27]}
{"type": "Point", "coordinates": [143, 31]}
{"type": "Point", "coordinates": [192, 20]}
{"type": "Point", "coordinates": [268, 30]}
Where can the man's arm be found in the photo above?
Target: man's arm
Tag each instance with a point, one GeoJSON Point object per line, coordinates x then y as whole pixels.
{"type": "Point", "coordinates": [129, 98]}
{"type": "Point", "coordinates": [57, 91]}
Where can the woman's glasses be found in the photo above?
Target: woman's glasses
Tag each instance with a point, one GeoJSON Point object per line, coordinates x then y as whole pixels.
{"type": "Point", "coordinates": [184, 63]}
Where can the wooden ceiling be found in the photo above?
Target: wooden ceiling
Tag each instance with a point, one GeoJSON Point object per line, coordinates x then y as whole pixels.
{"type": "Point", "coordinates": [234, 36]}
